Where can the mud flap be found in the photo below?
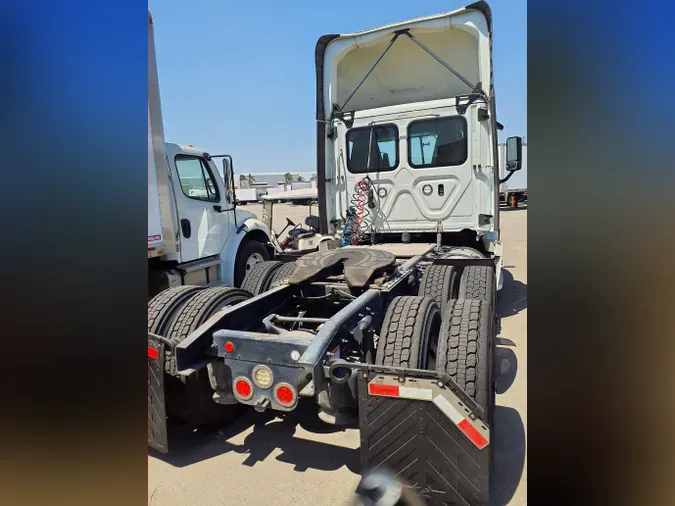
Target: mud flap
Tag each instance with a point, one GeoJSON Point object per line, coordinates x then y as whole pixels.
{"type": "Point", "coordinates": [428, 435]}
{"type": "Point", "coordinates": [157, 426]}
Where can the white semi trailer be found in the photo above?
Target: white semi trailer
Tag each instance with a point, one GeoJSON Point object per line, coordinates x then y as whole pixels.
{"type": "Point", "coordinates": [196, 236]}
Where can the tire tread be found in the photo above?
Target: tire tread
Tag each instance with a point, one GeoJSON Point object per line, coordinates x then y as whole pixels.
{"type": "Point", "coordinates": [465, 347]}
{"type": "Point", "coordinates": [438, 283]}
{"type": "Point", "coordinates": [477, 282]}
{"type": "Point", "coordinates": [402, 328]}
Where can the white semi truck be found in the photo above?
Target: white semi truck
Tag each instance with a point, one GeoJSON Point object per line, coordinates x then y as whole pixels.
{"type": "Point", "coordinates": [196, 235]}
{"type": "Point", "coordinates": [392, 323]}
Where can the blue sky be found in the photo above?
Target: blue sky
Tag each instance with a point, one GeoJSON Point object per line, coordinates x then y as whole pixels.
{"type": "Point", "coordinates": [238, 77]}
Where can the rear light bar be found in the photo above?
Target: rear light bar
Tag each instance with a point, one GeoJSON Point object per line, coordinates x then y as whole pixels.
{"type": "Point", "coordinates": [443, 398]}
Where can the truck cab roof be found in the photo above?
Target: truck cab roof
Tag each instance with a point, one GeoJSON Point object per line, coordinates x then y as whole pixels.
{"type": "Point", "coordinates": [461, 38]}
{"type": "Point", "coordinates": [188, 149]}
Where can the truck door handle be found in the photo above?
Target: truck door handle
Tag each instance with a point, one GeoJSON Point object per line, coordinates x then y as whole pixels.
{"type": "Point", "coordinates": [186, 228]}
{"type": "Point", "coordinates": [218, 209]}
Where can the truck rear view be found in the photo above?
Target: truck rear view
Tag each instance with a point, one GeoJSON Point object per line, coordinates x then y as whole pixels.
{"type": "Point", "coordinates": [394, 330]}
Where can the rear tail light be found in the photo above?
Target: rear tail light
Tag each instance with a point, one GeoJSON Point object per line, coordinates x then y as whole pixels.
{"type": "Point", "coordinates": [285, 395]}
{"type": "Point", "coordinates": [243, 388]}
{"type": "Point", "coordinates": [153, 352]}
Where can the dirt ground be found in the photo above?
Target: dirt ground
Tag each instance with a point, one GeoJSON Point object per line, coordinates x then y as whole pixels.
{"type": "Point", "coordinates": [261, 459]}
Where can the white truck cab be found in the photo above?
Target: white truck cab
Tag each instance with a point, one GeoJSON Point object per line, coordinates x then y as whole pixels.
{"type": "Point", "coordinates": [196, 234]}
{"type": "Point", "coordinates": [407, 135]}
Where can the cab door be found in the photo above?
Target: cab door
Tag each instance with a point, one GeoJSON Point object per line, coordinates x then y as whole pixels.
{"type": "Point", "coordinates": [202, 205]}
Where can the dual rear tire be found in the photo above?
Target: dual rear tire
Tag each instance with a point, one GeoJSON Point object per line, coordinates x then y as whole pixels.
{"type": "Point", "coordinates": [451, 335]}
{"type": "Point", "coordinates": [454, 336]}
{"type": "Point", "coordinates": [267, 275]}
{"type": "Point", "coordinates": [175, 313]}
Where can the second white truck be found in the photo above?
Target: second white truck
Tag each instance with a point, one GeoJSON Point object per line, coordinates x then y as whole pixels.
{"type": "Point", "coordinates": [196, 234]}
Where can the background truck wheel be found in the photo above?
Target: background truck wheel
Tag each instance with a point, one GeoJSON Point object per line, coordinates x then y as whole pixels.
{"type": "Point", "coordinates": [163, 306]}
{"type": "Point", "coordinates": [438, 283]}
{"type": "Point", "coordinates": [477, 282]}
{"type": "Point", "coordinates": [195, 402]}
{"type": "Point", "coordinates": [465, 349]}
{"type": "Point", "coordinates": [410, 329]}
{"type": "Point", "coordinates": [281, 275]}
{"type": "Point", "coordinates": [249, 255]}
{"type": "Point", "coordinates": [258, 279]}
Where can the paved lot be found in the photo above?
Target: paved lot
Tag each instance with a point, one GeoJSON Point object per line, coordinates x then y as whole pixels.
{"type": "Point", "coordinates": [261, 459]}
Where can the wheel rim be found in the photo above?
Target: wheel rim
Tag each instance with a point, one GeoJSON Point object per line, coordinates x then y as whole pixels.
{"type": "Point", "coordinates": [253, 260]}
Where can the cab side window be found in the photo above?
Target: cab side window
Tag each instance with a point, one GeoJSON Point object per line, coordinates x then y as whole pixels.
{"type": "Point", "coordinates": [196, 179]}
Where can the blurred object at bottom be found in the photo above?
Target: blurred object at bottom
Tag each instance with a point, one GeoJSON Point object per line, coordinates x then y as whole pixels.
{"type": "Point", "coordinates": [382, 488]}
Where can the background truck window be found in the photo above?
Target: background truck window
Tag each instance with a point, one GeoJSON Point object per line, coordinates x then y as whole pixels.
{"type": "Point", "coordinates": [437, 142]}
{"type": "Point", "coordinates": [195, 178]}
{"type": "Point", "coordinates": [383, 153]}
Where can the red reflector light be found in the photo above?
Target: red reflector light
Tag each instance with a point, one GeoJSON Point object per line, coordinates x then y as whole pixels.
{"type": "Point", "coordinates": [285, 395]}
{"type": "Point", "coordinates": [384, 390]}
{"type": "Point", "coordinates": [229, 346]}
{"type": "Point", "coordinates": [475, 436]}
{"type": "Point", "coordinates": [243, 388]}
{"type": "Point", "coordinates": [153, 353]}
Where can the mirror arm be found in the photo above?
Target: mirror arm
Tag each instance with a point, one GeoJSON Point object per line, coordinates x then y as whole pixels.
{"type": "Point", "coordinates": [511, 172]}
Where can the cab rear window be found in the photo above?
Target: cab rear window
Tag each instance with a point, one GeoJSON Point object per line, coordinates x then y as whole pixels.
{"type": "Point", "coordinates": [438, 142]}
{"type": "Point", "coordinates": [372, 149]}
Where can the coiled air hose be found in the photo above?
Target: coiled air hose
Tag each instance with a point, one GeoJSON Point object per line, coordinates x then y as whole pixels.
{"type": "Point", "coordinates": [358, 215]}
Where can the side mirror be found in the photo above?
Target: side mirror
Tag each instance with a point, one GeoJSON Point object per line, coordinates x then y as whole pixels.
{"type": "Point", "coordinates": [228, 177]}
{"type": "Point", "coordinates": [514, 153]}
